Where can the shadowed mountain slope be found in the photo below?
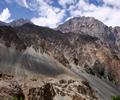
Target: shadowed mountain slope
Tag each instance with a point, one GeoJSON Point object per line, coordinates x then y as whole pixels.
{"type": "Point", "coordinates": [83, 47]}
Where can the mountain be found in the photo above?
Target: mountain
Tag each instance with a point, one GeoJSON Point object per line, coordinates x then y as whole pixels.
{"type": "Point", "coordinates": [16, 23]}
{"type": "Point", "coordinates": [74, 61]}
{"type": "Point", "coordinates": [88, 25]}
{"type": "Point", "coordinates": [3, 23]}
{"type": "Point", "coordinates": [19, 22]}
{"type": "Point", "coordinates": [107, 36]}
{"type": "Point", "coordinates": [92, 27]}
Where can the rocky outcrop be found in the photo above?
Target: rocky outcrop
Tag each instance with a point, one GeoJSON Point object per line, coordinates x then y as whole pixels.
{"type": "Point", "coordinates": [92, 27]}
{"type": "Point", "coordinates": [72, 89]}
{"type": "Point", "coordinates": [52, 89]}
{"type": "Point", "coordinates": [10, 89]}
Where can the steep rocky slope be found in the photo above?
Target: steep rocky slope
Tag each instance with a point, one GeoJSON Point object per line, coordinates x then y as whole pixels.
{"type": "Point", "coordinates": [92, 27]}
{"type": "Point", "coordinates": [107, 50]}
{"type": "Point", "coordinates": [83, 51]}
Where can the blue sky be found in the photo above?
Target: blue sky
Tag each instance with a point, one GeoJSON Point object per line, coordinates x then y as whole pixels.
{"type": "Point", "coordinates": [51, 13]}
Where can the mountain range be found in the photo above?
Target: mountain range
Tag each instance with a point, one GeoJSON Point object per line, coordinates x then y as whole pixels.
{"type": "Point", "coordinates": [82, 53]}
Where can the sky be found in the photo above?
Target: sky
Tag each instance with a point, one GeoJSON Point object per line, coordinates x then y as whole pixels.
{"type": "Point", "coordinates": [51, 13]}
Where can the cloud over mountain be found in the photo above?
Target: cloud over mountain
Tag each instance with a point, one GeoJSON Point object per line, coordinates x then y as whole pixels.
{"type": "Point", "coordinates": [5, 15]}
{"type": "Point", "coordinates": [51, 13]}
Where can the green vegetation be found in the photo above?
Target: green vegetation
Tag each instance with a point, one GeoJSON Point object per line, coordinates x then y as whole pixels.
{"type": "Point", "coordinates": [115, 97]}
{"type": "Point", "coordinates": [15, 98]}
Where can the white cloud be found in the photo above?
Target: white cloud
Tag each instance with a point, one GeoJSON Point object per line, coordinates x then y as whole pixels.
{"type": "Point", "coordinates": [51, 16]}
{"type": "Point", "coordinates": [22, 3]}
{"type": "Point", "coordinates": [5, 15]}
{"type": "Point", "coordinates": [115, 3]}
{"type": "Point", "coordinates": [50, 20]}
{"type": "Point", "coordinates": [109, 15]}
{"type": "Point", "coordinates": [64, 3]}
{"type": "Point", "coordinates": [19, 2]}
{"type": "Point", "coordinates": [48, 15]}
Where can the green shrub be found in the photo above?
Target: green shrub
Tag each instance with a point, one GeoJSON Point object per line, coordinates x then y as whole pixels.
{"type": "Point", "coordinates": [115, 97]}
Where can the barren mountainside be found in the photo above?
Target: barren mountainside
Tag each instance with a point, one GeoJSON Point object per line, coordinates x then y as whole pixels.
{"type": "Point", "coordinates": [82, 48]}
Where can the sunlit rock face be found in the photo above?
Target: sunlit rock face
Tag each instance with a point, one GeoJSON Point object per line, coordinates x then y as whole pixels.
{"type": "Point", "coordinates": [52, 89]}
{"type": "Point", "coordinates": [107, 48]}
{"type": "Point", "coordinates": [92, 27]}
{"type": "Point", "coordinates": [84, 43]}
{"type": "Point", "coordinates": [63, 89]}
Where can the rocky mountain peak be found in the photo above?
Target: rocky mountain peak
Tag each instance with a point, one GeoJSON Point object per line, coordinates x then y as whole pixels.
{"type": "Point", "coordinates": [88, 25]}
{"type": "Point", "coordinates": [20, 22]}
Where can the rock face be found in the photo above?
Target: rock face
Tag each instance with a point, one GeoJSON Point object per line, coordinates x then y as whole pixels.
{"type": "Point", "coordinates": [108, 39]}
{"type": "Point", "coordinates": [88, 25]}
{"type": "Point", "coordinates": [9, 88]}
{"type": "Point", "coordinates": [19, 22]}
{"type": "Point", "coordinates": [92, 27]}
{"type": "Point", "coordinates": [63, 90]}
{"type": "Point", "coordinates": [59, 89]}
{"type": "Point", "coordinates": [79, 44]}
